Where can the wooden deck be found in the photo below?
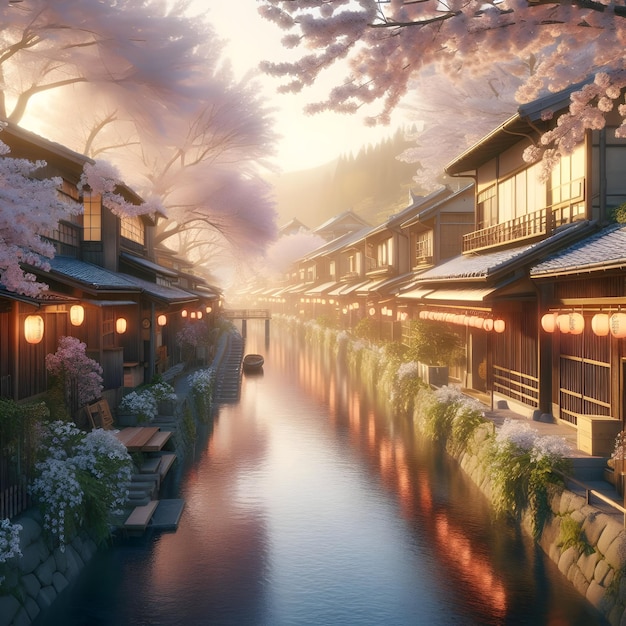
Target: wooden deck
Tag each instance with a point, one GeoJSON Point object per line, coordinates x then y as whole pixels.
{"type": "Point", "coordinates": [143, 438]}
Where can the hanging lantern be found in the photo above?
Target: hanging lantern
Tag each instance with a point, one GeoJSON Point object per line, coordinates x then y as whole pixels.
{"type": "Point", "coordinates": [162, 320]}
{"type": "Point", "coordinates": [183, 313]}
{"type": "Point", "coordinates": [423, 315]}
{"type": "Point", "coordinates": [562, 321]}
{"type": "Point", "coordinates": [120, 325]}
{"type": "Point", "coordinates": [193, 315]}
{"type": "Point", "coordinates": [548, 322]}
{"type": "Point", "coordinates": [33, 328]}
{"type": "Point", "coordinates": [499, 326]}
{"type": "Point", "coordinates": [372, 311]}
{"type": "Point", "coordinates": [600, 324]}
{"type": "Point", "coordinates": [618, 325]}
{"type": "Point", "coordinates": [576, 323]}
{"type": "Point", "coordinates": [77, 315]}
{"type": "Point", "coordinates": [199, 315]}
{"type": "Point", "coordinates": [208, 309]}
{"type": "Point", "coordinates": [488, 324]}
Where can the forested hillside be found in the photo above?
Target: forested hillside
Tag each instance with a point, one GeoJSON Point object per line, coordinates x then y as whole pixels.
{"type": "Point", "coordinates": [373, 184]}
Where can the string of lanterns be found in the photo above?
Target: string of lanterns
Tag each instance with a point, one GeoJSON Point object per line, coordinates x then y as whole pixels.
{"type": "Point", "coordinates": [574, 323]}
{"type": "Point", "coordinates": [471, 321]}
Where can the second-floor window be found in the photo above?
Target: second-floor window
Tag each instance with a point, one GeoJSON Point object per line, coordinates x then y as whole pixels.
{"type": "Point", "coordinates": [385, 253]}
{"type": "Point", "coordinates": [133, 228]}
{"type": "Point", "coordinates": [92, 217]}
{"type": "Point", "coordinates": [423, 247]}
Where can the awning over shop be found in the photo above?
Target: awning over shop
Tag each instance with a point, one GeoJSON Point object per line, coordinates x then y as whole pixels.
{"type": "Point", "coordinates": [320, 289]}
{"type": "Point", "coordinates": [460, 295]}
{"type": "Point", "coordinates": [415, 294]}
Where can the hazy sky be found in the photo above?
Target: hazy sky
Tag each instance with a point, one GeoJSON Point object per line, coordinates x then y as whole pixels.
{"type": "Point", "coordinates": [307, 140]}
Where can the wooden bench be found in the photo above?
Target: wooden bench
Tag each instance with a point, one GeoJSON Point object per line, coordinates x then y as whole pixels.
{"type": "Point", "coordinates": [140, 516]}
{"type": "Point", "coordinates": [99, 415]}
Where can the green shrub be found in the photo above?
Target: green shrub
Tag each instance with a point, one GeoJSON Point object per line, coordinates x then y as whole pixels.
{"type": "Point", "coordinates": [572, 535]}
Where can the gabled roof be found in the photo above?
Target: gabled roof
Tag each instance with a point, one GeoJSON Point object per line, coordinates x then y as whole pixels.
{"type": "Point", "coordinates": [427, 212]}
{"type": "Point", "coordinates": [606, 250]}
{"type": "Point", "coordinates": [342, 218]}
{"type": "Point", "coordinates": [344, 241]}
{"type": "Point", "coordinates": [419, 204]}
{"type": "Point", "coordinates": [525, 122]}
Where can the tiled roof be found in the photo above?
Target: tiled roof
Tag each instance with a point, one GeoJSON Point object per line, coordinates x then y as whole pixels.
{"type": "Point", "coordinates": [99, 279]}
{"type": "Point", "coordinates": [602, 250]}
{"type": "Point", "coordinates": [474, 266]}
{"type": "Point", "coordinates": [89, 274]}
{"type": "Point", "coordinates": [484, 266]}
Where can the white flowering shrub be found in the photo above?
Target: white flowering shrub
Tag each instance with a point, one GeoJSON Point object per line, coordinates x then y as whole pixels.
{"type": "Point", "coordinates": [81, 480]}
{"type": "Point", "coordinates": [163, 391]}
{"type": "Point", "coordinates": [447, 415]}
{"type": "Point", "coordinates": [201, 383]}
{"type": "Point", "coordinates": [9, 542]}
{"type": "Point", "coordinates": [522, 466]}
{"type": "Point", "coordinates": [405, 386]}
{"type": "Point", "coordinates": [141, 403]}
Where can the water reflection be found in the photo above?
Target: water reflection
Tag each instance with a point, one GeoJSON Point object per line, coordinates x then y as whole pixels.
{"type": "Point", "coordinates": [306, 504]}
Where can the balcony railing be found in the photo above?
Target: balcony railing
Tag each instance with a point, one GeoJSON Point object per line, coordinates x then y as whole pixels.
{"type": "Point", "coordinates": [523, 227]}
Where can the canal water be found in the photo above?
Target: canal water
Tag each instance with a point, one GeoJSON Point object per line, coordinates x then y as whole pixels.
{"type": "Point", "coordinates": [306, 503]}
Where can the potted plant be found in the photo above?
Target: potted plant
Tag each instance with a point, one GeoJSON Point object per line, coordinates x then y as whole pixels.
{"type": "Point", "coordinates": [435, 346]}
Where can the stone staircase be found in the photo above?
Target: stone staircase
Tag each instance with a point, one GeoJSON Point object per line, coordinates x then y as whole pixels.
{"type": "Point", "coordinates": [228, 374]}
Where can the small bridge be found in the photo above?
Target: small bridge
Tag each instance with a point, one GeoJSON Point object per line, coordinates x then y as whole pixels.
{"type": "Point", "coordinates": [250, 314]}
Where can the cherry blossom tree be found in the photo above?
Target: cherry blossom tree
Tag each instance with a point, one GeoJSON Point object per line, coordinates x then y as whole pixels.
{"type": "Point", "coordinates": [477, 107]}
{"type": "Point", "coordinates": [387, 43]}
{"type": "Point", "coordinates": [282, 254]}
{"type": "Point", "coordinates": [144, 86]}
{"type": "Point", "coordinates": [29, 210]}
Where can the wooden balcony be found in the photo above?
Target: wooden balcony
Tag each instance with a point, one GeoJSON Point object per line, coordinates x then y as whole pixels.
{"type": "Point", "coordinates": [523, 227]}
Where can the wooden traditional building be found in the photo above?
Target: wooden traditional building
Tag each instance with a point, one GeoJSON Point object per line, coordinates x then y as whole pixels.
{"type": "Point", "coordinates": [105, 287]}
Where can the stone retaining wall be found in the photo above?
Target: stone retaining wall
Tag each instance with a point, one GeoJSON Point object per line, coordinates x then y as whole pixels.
{"type": "Point", "coordinates": [34, 580]}
{"type": "Point", "coordinates": [599, 575]}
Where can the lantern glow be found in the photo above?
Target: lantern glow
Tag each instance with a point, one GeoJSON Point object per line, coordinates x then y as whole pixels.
{"type": "Point", "coordinates": [548, 322]}
{"type": "Point", "coordinates": [600, 324]}
{"type": "Point", "coordinates": [33, 328]}
{"type": "Point", "coordinates": [77, 315]}
{"type": "Point", "coordinates": [162, 320]}
{"type": "Point", "coordinates": [120, 325]}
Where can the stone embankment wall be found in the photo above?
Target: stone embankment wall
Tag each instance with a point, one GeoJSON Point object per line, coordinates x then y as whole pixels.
{"type": "Point", "coordinates": [40, 574]}
{"type": "Point", "coordinates": [598, 572]}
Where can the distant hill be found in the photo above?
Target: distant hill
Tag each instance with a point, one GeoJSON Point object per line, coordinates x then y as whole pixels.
{"type": "Point", "coordinates": [374, 184]}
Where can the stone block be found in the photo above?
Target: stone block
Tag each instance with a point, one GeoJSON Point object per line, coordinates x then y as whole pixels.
{"type": "Point", "coordinates": [612, 532]}
{"type": "Point", "coordinates": [31, 558]}
{"type": "Point", "coordinates": [22, 618]}
{"type": "Point", "coordinates": [566, 560]}
{"type": "Point", "coordinates": [601, 571]}
{"type": "Point", "coordinates": [74, 563]}
{"type": "Point", "coordinates": [594, 525]}
{"type": "Point", "coordinates": [45, 570]}
{"type": "Point", "coordinates": [30, 533]}
{"type": "Point", "coordinates": [587, 564]}
{"type": "Point", "coordinates": [32, 608]}
{"type": "Point", "coordinates": [60, 559]}
{"type": "Point", "coordinates": [59, 582]}
{"type": "Point", "coordinates": [47, 595]}
{"type": "Point", "coordinates": [9, 608]}
{"type": "Point", "coordinates": [31, 585]}
{"type": "Point", "coordinates": [615, 555]}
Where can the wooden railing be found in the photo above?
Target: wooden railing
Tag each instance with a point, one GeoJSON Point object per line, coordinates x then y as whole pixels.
{"type": "Point", "coordinates": [523, 227]}
{"type": "Point", "coordinates": [247, 314]}
{"type": "Point", "coordinates": [516, 385]}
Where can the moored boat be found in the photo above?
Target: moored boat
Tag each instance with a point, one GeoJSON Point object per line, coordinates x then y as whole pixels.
{"type": "Point", "coordinates": [253, 362]}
